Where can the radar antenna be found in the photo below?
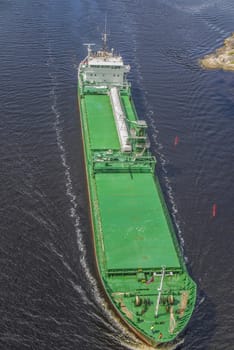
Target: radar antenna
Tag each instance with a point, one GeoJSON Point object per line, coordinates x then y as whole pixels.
{"type": "Point", "coordinates": [89, 45]}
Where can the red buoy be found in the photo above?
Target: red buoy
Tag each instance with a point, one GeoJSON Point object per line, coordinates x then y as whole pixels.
{"type": "Point", "coordinates": [214, 210]}
{"type": "Point", "coordinates": [176, 141]}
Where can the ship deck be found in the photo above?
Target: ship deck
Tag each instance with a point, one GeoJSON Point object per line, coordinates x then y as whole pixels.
{"type": "Point", "coordinates": [135, 230]}
{"type": "Point", "coordinates": [101, 124]}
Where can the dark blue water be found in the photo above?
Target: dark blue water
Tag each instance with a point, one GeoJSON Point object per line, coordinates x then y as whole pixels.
{"type": "Point", "coordinates": [49, 294]}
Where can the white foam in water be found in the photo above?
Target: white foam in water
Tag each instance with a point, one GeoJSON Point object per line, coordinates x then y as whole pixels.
{"type": "Point", "coordinates": [169, 189]}
{"type": "Point", "coordinates": [68, 181]}
{"type": "Point", "coordinates": [201, 301]}
{"type": "Point", "coordinates": [114, 324]}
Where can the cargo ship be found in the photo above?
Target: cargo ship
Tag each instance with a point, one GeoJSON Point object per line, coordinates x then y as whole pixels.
{"type": "Point", "coordinates": [138, 256]}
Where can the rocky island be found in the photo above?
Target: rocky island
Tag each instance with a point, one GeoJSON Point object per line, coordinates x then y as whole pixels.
{"type": "Point", "coordinates": [222, 58]}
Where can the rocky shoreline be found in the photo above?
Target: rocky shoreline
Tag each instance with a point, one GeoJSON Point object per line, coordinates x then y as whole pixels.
{"type": "Point", "coordinates": [222, 58]}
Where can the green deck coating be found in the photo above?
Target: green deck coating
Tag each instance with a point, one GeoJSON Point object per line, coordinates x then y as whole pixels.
{"type": "Point", "coordinates": [101, 123]}
{"type": "Point", "coordinates": [133, 234]}
{"type": "Point", "coordinates": [128, 108]}
{"type": "Point", "coordinates": [135, 230]}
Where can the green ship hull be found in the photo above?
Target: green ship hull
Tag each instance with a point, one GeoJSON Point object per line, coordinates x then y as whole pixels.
{"type": "Point", "coordinates": [136, 249]}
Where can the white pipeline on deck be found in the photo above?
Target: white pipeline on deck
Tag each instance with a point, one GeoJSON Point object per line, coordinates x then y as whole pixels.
{"type": "Point", "coordinates": [120, 120]}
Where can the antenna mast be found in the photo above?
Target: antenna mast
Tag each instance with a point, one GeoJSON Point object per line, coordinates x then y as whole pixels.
{"type": "Point", "coordinates": [104, 37]}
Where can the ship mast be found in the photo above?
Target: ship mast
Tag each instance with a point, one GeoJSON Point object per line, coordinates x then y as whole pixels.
{"type": "Point", "coordinates": [104, 37]}
{"type": "Point", "coordinates": [160, 290]}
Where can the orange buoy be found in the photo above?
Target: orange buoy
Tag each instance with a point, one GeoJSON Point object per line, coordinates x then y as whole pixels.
{"type": "Point", "coordinates": [176, 141]}
{"type": "Point", "coordinates": [214, 210]}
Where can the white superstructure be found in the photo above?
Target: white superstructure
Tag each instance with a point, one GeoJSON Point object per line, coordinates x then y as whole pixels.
{"type": "Point", "coordinates": [104, 67]}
